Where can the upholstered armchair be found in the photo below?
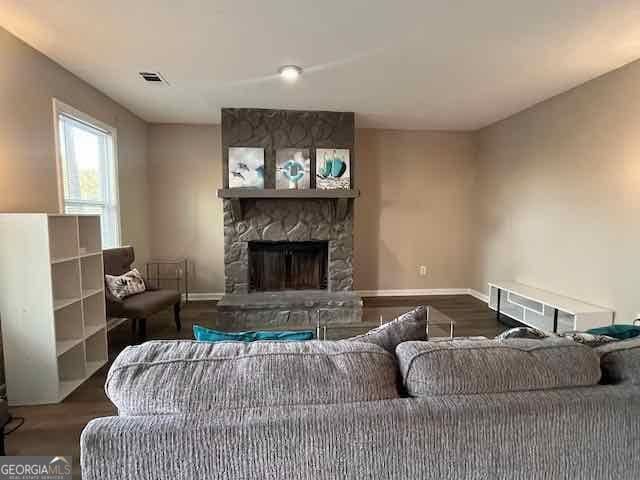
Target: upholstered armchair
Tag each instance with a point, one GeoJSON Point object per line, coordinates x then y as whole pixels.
{"type": "Point", "coordinates": [138, 307]}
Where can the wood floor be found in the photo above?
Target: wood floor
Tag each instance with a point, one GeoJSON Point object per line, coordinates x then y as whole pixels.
{"type": "Point", "coordinates": [55, 429]}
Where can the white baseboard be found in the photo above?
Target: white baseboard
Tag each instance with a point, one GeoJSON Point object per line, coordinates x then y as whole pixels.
{"type": "Point", "coordinates": [478, 295]}
{"type": "Point", "coordinates": [412, 292]}
{"type": "Point", "coordinates": [203, 297]}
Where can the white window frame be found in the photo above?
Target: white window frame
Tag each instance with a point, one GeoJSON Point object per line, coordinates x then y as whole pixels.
{"type": "Point", "coordinates": [60, 107]}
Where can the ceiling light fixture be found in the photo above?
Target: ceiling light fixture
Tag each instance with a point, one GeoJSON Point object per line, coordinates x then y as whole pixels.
{"type": "Point", "coordinates": [290, 72]}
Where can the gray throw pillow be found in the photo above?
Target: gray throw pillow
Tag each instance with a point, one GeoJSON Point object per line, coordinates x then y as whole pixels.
{"type": "Point", "coordinates": [588, 339]}
{"type": "Point", "coordinates": [408, 326]}
{"type": "Point", "coordinates": [522, 332]}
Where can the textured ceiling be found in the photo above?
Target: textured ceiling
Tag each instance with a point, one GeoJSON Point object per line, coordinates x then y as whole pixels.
{"type": "Point", "coordinates": [397, 64]}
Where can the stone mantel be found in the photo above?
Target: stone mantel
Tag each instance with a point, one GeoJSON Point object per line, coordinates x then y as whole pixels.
{"type": "Point", "coordinates": [273, 193]}
{"type": "Point", "coordinates": [341, 198]}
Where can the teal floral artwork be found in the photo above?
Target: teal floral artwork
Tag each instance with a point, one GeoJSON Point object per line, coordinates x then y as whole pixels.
{"type": "Point", "coordinates": [292, 168]}
{"type": "Point", "coordinates": [333, 168]}
{"type": "Point", "coordinates": [246, 167]}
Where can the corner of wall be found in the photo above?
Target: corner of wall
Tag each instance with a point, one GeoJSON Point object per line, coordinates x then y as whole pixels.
{"type": "Point", "coordinates": [476, 214]}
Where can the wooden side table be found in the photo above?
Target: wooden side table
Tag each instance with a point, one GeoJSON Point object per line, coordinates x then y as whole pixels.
{"type": "Point", "coordinates": [180, 273]}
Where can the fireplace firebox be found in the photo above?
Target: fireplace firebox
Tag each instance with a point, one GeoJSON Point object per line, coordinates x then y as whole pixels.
{"type": "Point", "coordinates": [281, 265]}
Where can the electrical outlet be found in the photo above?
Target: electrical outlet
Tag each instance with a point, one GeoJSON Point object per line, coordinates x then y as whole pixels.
{"type": "Point", "coordinates": [423, 270]}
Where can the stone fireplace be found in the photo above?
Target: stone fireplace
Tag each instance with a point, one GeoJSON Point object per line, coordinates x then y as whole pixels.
{"type": "Point", "coordinates": [288, 254]}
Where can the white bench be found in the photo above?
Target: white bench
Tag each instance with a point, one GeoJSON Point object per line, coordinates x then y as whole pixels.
{"type": "Point", "coordinates": [545, 310]}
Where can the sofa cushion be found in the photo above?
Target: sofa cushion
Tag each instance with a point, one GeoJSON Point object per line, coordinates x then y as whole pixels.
{"type": "Point", "coordinates": [408, 326]}
{"type": "Point", "coordinates": [620, 361]}
{"type": "Point", "coordinates": [165, 377]}
{"type": "Point", "coordinates": [491, 366]}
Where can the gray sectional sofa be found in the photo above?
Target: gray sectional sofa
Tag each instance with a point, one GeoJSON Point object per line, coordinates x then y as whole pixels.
{"type": "Point", "coordinates": [462, 409]}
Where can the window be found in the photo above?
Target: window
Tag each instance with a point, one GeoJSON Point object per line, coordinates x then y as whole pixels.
{"type": "Point", "coordinates": [88, 169]}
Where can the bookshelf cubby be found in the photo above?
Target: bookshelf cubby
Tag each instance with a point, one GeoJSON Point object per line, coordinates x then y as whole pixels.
{"type": "Point", "coordinates": [63, 237]}
{"type": "Point", "coordinates": [93, 311]}
{"type": "Point", "coordinates": [52, 304]}
{"type": "Point", "coordinates": [65, 277]}
{"type": "Point", "coordinates": [71, 365]}
{"type": "Point", "coordinates": [96, 351]}
{"type": "Point", "coordinates": [71, 370]}
{"type": "Point", "coordinates": [89, 235]}
{"type": "Point", "coordinates": [92, 276]}
{"type": "Point", "coordinates": [69, 331]}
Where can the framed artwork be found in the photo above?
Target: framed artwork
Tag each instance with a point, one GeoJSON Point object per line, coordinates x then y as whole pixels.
{"type": "Point", "coordinates": [246, 167]}
{"type": "Point", "coordinates": [293, 168]}
{"type": "Point", "coordinates": [333, 168]}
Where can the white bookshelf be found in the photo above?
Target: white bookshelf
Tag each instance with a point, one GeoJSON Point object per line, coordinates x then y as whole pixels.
{"type": "Point", "coordinates": [54, 328]}
{"type": "Point", "coordinates": [545, 310]}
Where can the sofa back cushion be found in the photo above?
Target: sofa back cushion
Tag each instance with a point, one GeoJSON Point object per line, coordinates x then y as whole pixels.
{"type": "Point", "coordinates": [165, 377]}
{"type": "Point", "coordinates": [620, 361]}
{"type": "Point", "coordinates": [491, 366]}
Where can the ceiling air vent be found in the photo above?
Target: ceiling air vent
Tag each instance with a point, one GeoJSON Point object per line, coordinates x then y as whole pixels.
{"type": "Point", "coordinates": [153, 77]}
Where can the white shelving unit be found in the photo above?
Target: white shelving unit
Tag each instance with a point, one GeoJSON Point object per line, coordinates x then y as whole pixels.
{"type": "Point", "coordinates": [545, 310]}
{"type": "Point", "coordinates": [54, 329]}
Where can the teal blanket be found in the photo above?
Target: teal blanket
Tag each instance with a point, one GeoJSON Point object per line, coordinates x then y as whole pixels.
{"type": "Point", "coordinates": [621, 332]}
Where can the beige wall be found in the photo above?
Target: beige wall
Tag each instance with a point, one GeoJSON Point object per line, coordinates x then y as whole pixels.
{"type": "Point", "coordinates": [28, 180]}
{"type": "Point", "coordinates": [185, 171]}
{"type": "Point", "coordinates": [559, 195]}
{"type": "Point", "coordinates": [414, 209]}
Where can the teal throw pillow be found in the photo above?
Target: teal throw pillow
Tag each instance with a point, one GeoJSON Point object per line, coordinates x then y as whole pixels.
{"type": "Point", "coordinates": [203, 334]}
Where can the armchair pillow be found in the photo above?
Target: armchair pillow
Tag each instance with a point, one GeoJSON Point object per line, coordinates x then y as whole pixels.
{"type": "Point", "coordinates": [125, 285]}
